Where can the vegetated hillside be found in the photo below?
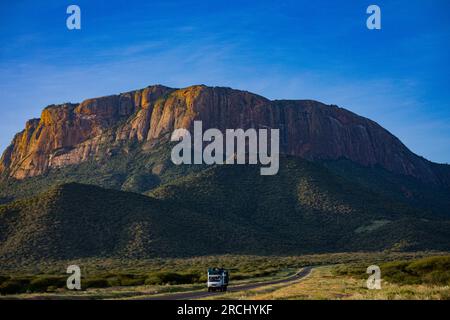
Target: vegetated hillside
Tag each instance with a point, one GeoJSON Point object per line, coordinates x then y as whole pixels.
{"type": "Point", "coordinates": [134, 170]}
{"type": "Point", "coordinates": [141, 171]}
{"type": "Point", "coordinates": [307, 208]}
{"type": "Point", "coordinates": [76, 221]}
{"type": "Point", "coordinates": [399, 188]}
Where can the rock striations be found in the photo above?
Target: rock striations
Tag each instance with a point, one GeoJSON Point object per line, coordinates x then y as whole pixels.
{"type": "Point", "coordinates": [69, 134]}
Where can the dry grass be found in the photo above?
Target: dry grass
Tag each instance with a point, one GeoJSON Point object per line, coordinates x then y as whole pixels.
{"type": "Point", "coordinates": [129, 292]}
{"type": "Point", "coordinates": [323, 285]}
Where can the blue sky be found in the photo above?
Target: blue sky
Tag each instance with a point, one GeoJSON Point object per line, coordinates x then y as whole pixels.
{"type": "Point", "coordinates": [322, 50]}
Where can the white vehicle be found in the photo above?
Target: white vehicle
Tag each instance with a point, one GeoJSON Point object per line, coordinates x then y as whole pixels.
{"type": "Point", "coordinates": [217, 279]}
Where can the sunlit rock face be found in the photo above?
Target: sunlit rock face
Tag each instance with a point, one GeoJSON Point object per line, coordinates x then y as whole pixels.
{"type": "Point", "coordinates": [72, 133]}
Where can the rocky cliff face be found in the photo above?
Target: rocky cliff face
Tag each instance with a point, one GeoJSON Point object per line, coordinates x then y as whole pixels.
{"type": "Point", "coordinates": [72, 133]}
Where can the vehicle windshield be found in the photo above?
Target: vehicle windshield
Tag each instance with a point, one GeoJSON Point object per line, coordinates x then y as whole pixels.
{"type": "Point", "coordinates": [214, 278]}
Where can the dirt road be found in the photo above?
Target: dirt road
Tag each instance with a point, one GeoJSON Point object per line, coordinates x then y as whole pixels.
{"type": "Point", "coordinates": [203, 294]}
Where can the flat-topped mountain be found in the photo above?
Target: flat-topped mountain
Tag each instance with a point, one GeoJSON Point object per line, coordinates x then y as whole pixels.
{"type": "Point", "coordinates": [70, 134]}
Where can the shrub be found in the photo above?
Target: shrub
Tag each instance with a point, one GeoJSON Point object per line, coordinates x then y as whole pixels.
{"type": "Point", "coordinates": [432, 270]}
{"type": "Point", "coordinates": [52, 289]}
{"type": "Point", "coordinates": [94, 283]}
{"type": "Point", "coordinates": [3, 279]}
{"type": "Point", "coordinates": [438, 278]}
{"type": "Point", "coordinates": [172, 278]}
{"type": "Point", "coordinates": [14, 286]}
{"type": "Point", "coordinates": [240, 276]}
{"type": "Point", "coordinates": [42, 283]}
{"type": "Point", "coordinates": [131, 280]}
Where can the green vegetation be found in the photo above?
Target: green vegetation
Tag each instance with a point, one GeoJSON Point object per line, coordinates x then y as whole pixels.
{"type": "Point", "coordinates": [314, 207]}
{"type": "Point", "coordinates": [324, 284]}
{"type": "Point", "coordinates": [430, 270]}
{"type": "Point", "coordinates": [52, 283]}
{"type": "Point", "coordinates": [145, 276]}
{"type": "Point", "coordinates": [430, 198]}
{"type": "Point", "coordinates": [174, 278]}
{"type": "Point", "coordinates": [127, 168]}
{"type": "Point", "coordinates": [304, 209]}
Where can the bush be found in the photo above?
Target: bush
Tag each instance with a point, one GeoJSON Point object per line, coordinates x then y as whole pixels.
{"type": "Point", "coordinates": [438, 278]}
{"type": "Point", "coordinates": [265, 273]}
{"type": "Point", "coordinates": [42, 283]}
{"type": "Point", "coordinates": [432, 270]}
{"type": "Point", "coordinates": [94, 283]}
{"type": "Point", "coordinates": [426, 265]}
{"type": "Point", "coordinates": [119, 279]}
{"type": "Point", "coordinates": [240, 276]}
{"type": "Point", "coordinates": [131, 280]}
{"type": "Point", "coordinates": [14, 286]}
{"type": "Point", "coordinates": [172, 278]}
{"type": "Point", "coordinates": [351, 270]}
{"type": "Point", "coordinates": [3, 279]}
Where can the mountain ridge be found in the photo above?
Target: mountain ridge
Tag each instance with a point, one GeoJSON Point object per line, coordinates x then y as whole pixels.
{"type": "Point", "coordinates": [97, 128]}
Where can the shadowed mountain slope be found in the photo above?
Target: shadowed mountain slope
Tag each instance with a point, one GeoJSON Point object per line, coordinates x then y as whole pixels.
{"type": "Point", "coordinates": [224, 209]}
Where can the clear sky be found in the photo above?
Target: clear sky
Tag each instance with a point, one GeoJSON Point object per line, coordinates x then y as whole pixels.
{"type": "Point", "coordinates": [321, 49]}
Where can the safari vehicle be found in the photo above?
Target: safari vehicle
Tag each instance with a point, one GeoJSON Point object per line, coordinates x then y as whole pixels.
{"type": "Point", "coordinates": [217, 279]}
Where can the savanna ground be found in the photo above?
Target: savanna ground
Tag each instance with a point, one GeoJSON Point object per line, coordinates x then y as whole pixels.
{"type": "Point", "coordinates": [420, 275]}
{"type": "Point", "coordinates": [324, 284]}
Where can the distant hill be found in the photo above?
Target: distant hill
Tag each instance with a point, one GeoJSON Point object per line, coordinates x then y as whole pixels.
{"type": "Point", "coordinates": [314, 207]}
{"type": "Point", "coordinates": [76, 221]}
{"type": "Point", "coordinates": [306, 208]}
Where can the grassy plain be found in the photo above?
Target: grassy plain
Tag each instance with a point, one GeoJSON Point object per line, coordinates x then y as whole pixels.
{"type": "Point", "coordinates": [324, 284]}
{"type": "Point", "coordinates": [422, 275]}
